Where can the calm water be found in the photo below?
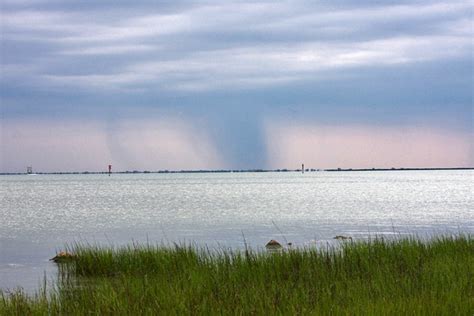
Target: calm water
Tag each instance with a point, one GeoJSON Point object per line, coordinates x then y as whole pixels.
{"type": "Point", "coordinates": [40, 213]}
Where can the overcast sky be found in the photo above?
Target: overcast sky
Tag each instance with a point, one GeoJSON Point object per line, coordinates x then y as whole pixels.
{"type": "Point", "coordinates": [215, 84]}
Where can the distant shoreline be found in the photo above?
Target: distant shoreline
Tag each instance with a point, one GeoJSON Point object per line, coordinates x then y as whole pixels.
{"type": "Point", "coordinates": [236, 171]}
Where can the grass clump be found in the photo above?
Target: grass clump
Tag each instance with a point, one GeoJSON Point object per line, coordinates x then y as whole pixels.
{"type": "Point", "coordinates": [406, 276]}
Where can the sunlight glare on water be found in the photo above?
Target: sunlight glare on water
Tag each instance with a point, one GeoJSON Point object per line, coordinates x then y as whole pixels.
{"type": "Point", "coordinates": [40, 213]}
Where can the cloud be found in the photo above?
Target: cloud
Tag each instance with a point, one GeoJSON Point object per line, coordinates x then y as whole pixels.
{"type": "Point", "coordinates": [214, 46]}
{"type": "Point", "coordinates": [332, 146]}
{"type": "Point", "coordinates": [109, 50]}
{"type": "Point", "coordinates": [264, 66]}
{"type": "Point", "coordinates": [234, 65]}
{"type": "Point", "coordinates": [50, 145]}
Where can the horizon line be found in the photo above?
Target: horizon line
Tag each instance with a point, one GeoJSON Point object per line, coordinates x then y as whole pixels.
{"type": "Point", "coordinates": [239, 170]}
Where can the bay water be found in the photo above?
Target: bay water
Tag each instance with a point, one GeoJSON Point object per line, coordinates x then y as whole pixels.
{"type": "Point", "coordinates": [40, 214]}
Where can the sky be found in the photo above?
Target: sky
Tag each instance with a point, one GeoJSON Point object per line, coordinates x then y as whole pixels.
{"type": "Point", "coordinates": [181, 85]}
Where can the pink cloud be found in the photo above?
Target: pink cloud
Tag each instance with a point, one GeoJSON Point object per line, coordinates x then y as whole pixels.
{"type": "Point", "coordinates": [50, 145]}
{"type": "Point", "coordinates": [366, 147]}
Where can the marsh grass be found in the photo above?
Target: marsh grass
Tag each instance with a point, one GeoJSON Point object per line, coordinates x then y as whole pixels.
{"type": "Point", "coordinates": [405, 276]}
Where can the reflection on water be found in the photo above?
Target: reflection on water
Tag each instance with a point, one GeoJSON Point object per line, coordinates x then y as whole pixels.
{"type": "Point", "coordinates": [39, 214]}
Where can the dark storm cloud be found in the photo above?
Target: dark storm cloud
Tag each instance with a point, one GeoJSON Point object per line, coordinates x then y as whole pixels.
{"type": "Point", "coordinates": [215, 46]}
{"type": "Point", "coordinates": [235, 65]}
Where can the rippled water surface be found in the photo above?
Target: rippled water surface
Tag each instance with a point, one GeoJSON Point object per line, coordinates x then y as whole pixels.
{"type": "Point", "coordinates": [40, 213]}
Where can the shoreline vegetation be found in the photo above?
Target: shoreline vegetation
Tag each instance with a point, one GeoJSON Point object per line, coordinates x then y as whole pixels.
{"type": "Point", "coordinates": [406, 276]}
{"type": "Point", "coordinates": [238, 171]}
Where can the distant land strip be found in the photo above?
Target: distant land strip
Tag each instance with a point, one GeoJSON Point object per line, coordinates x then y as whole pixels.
{"type": "Point", "coordinates": [240, 170]}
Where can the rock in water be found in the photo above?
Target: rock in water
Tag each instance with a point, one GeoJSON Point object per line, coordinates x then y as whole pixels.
{"type": "Point", "coordinates": [62, 257]}
{"type": "Point", "coordinates": [340, 237]}
{"type": "Point", "coordinates": [273, 245]}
